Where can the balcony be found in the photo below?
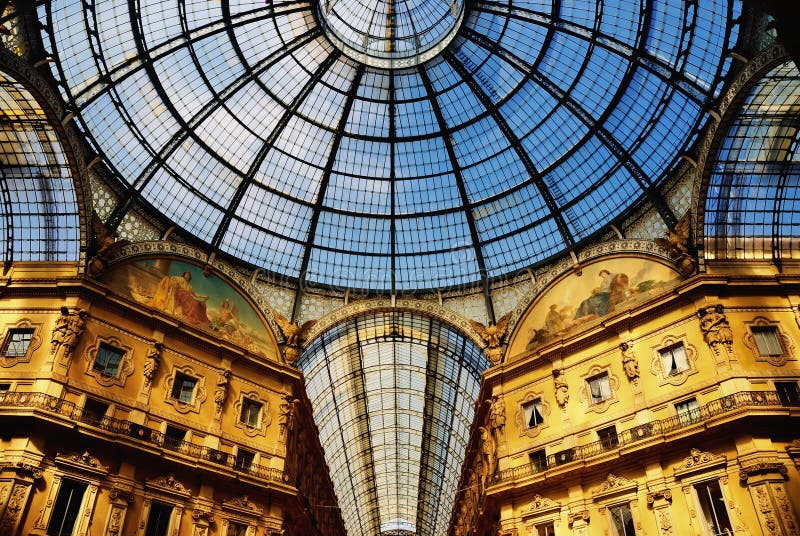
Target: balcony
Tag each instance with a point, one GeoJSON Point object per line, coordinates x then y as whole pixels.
{"type": "Point", "coordinates": [136, 434]}
{"type": "Point", "coordinates": [703, 414]}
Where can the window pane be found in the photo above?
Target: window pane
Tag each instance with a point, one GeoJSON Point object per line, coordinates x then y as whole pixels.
{"type": "Point", "coordinates": [107, 360]}
{"type": "Point", "coordinates": [158, 519]}
{"type": "Point", "coordinates": [250, 412]}
{"type": "Point", "coordinates": [17, 342]}
{"type": "Point", "coordinates": [183, 388]}
{"type": "Point", "coordinates": [66, 508]}
{"type": "Point", "coordinates": [715, 514]}
{"type": "Point", "coordinates": [533, 413]}
{"type": "Point", "coordinates": [622, 520]}
{"type": "Point", "coordinates": [767, 340]}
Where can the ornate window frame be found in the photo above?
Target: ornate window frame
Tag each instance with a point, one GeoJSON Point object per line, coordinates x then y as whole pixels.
{"type": "Point", "coordinates": [198, 397]}
{"type": "Point", "coordinates": [613, 385]}
{"type": "Point", "coordinates": [80, 467]}
{"type": "Point", "coordinates": [657, 365]}
{"type": "Point", "coordinates": [240, 510]}
{"type": "Point", "coordinates": [166, 490]}
{"type": "Point", "coordinates": [519, 416]}
{"type": "Point", "coordinates": [36, 342]}
{"type": "Point", "coordinates": [783, 338]}
{"type": "Point", "coordinates": [264, 418]}
{"type": "Point", "coordinates": [618, 491]}
{"type": "Point", "coordinates": [697, 468]}
{"type": "Point", "coordinates": [541, 510]}
{"type": "Point", "coordinates": [125, 363]}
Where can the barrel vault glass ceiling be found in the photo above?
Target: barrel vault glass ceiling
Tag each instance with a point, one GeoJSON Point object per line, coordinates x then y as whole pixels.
{"type": "Point", "coordinates": [392, 145]}
{"type": "Point", "coordinates": [393, 396]}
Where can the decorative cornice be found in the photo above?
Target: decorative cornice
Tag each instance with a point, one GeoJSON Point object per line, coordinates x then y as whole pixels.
{"type": "Point", "coordinates": [242, 505]}
{"type": "Point", "coordinates": [203, 515]}
{"type": "Point", "coordinates": [380, 304]}
{"type": "Point", "coordinates": [698, 460]}
{"type": "Point", "coordinates": [23, 469]}
{"type": "Point", "coordinates": [763, 468]}
{"type": "Point", "coordinates": [83, 461]}
{"type": "Point", "coordinates": [539, 505]}
{"type": "Point", "coordinates": [614, 485]}
{"type": "Point", "coordinates": [653, 496]}
{"type": "Point", "coordinates": [583, 515]}
{"type": "Point", "coordinates": [168, 484]}
{"type": "Point", "coordinates": [121, 494]}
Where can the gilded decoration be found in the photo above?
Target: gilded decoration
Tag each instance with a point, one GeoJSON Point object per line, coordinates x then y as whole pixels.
{"type": "Point", "coordinates": [659, 369]}
{"type": "Point", "coordinates": [678, 243]}
{"type": "Point", "coordinates": [194, 296]}
{"type": "Point", "coordinates": [9, 358]}
{"type": "Point", "coordinates": [581, 298]}
{"type": "Point", "coordinates": [492, 336]}
{"type": "Point", "coordinates": [102, 376]}
{"type": "Point", "coordinates": [520, 417]}
{"type": "Point", "coordinates": [787, 345]}
{"type": "Point", "coordinates": [295, 334]}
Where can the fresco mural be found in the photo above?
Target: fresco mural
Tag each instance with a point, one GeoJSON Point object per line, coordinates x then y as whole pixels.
{"type": "Point", "coordinates": [579, 300]}
{"type": "Point", "coordinates": [181, 290]}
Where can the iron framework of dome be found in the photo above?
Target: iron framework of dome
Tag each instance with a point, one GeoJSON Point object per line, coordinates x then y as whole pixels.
{"type": "Point", "coordinates": [517, 131]}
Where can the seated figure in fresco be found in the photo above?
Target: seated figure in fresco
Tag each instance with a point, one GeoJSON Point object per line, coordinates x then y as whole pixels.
{"type": "Point", "coordinates": [613, 289]}
{"type": "Point", "coordinates": [175, 296]}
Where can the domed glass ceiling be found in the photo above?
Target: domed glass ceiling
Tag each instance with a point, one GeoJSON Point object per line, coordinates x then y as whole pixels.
{"type": "Point", "coordinates": [252, 127]}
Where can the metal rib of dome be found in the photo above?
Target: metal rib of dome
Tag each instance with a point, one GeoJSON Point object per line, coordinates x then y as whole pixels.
{"type": "Point", "coordinates": [534, 128]}
{"type": "Point", "coordinates": [394, 396]}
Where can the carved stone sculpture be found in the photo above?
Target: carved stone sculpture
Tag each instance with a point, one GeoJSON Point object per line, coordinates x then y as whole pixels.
{"type": "Point", "coordinates": [629, 362]}
{"type": "Point", "coordinates": [561, 388]}
{"type": "Point", "coordinates": [715, 327]}
{"type": "Point", "coordinates": [493, 335]}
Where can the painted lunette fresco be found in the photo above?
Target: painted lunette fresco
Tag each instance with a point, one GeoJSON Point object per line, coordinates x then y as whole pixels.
{"type": "Point", "coordinates": [603, 288]}
{"type": "Point", "coordinates": [182, 291]}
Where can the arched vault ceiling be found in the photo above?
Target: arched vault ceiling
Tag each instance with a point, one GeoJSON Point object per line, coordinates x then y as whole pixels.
{"type": "Point", "coordinates": [435, 148]}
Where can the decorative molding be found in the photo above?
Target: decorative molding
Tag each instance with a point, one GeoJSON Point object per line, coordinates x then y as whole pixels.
{"type": "Point", "coordinates": [35, 342]}
{"type": "Point", "coordinates": [121, 495]}
{"type": "Point", "coordinates": [125, 367]}
{"type": "Point", "coordinates": [82, 461]}
{"type": "Point", "coordinates": [613, 385]}
{"type": "Point", "coordinates": [242, 506]}
{"type": "Point", "coordinates": [699, 461]}
{"type": "Point", "coordinates": [787, 345]}
{"type": "Point", "coordinates": [763, 468]}
{"type": "Point", "coordinates": [657, 364]}
{"type": "Point", "coordinates": [583, 515]}
{"type": "Point", "coordinates": [264, 418]}
{"type": "Point", "coordinates": [653, 496]}
{"type": "Point", "coordinates": [614, 485]}
{"type": "Point", "coordinates": [168, 484]}
{"type": "Point", "coordinates": [540, 505]}
{"type": "Point", "coordinates": [519, 416]}
{"type": "Point", "coordinates": [198, 397]}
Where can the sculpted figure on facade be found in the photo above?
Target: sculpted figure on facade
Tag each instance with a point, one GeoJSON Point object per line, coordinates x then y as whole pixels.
{"type": "Point", "coordinates": [715, 327]}
{"type": "Point", "coordinates": [488, 455]}
{"type": "Point", "coordinates": [286, 414]}
{"type": "Point", "coordinates": [295, 335]}
{"type": "Point", "coordinates": [561, 388]}
{"type": "Point", "coordinates": [493, 335]}
{"type": "Point", "coordinates": [629, 363]}
{"type": "Point", "coordinates": [497, 415]}
{"type": "Point", "coordinates": [221, 392]}
{"type": "Point", "coordinates": [152, 360]}
{"type": "Point", "coordinates": [67, 332]}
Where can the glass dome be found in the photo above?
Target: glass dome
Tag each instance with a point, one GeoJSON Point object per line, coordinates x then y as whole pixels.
{"type": "Point", "coordinates": [517, 130]}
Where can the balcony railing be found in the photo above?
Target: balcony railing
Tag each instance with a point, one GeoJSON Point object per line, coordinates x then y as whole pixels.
{"type": "Point", "coordinates": [726, 404]}
{"type": "Point", "coordinates": [56, 406]}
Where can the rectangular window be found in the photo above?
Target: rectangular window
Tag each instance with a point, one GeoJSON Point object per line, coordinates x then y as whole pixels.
{"type": "Point", "coordinates": [183, 388]}
{"type": "Point", "coordinates": [533, 412]}
{"type": "Point", "coordinates": [158, 519]}
{"type": "Point", "coordinates": [767, 340]}
{"type": "Point", "coordinates": [244, 460]}
{"type": "Point", "coordinates": [17, 342]}
{"type": "Point", "coordinates": [608, 437]}
{"type": "Point", "coordinates": [538, 460]}
{"type": "Point", "coordinates": [715, 514]}
{"type": "Point", "coordinates": [545, 529]}
{"type": "Point", "coordinates": [788, 393]}
{"type": "Point", "coordinates": [66, 508]}
{"type": "Point", "coordinates": [599, 388]}
{"type": "Point", "coordinates": [108, 360]}
{"type": "Point", "coordinates": [93, 411]}
{"type": "Point", "coordinates": [622, 520]}
{"type": "Point", "coordinates": [251, 411]}
{"type": "Point", "coordinates": [236, 529]}
{"type": "Point", "coordinates": [673, 359]}
{"type": "Point", "coordinates": [4, 388]}
{"type": "Point", "coordinates": [688, 412]}
{"type": "Point", "coordinates": [174, 437]}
